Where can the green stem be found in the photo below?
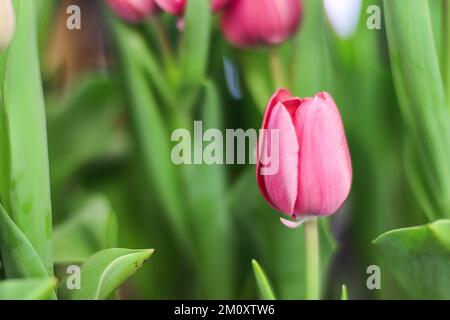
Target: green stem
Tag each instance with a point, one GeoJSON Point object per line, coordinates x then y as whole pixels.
{"type": "Point", "coordinates": [312, 260]}
{"type": "Point", "coordinates": [166, 47]}
{"type": "Point", "coordinates": [446, 48]}
{"type": "Point", "coordinates": [277, 69]}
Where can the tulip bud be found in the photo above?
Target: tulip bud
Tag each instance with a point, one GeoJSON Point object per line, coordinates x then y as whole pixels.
{"type": "Point", "coordinates": [343, 16]}
{"type": "Point", "coordinates": [248, 23]}
{"type": "Point", "coordinates": [314, 172]}
{"type": "Point", "coordinates": [176, 7]}
{"type": "Point", "coordinates": [7, 23]}
{"type": "Point", "coordinates": [134, 10]}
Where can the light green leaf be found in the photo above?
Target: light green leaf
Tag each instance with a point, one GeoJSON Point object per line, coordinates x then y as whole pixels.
{"type": "Point", "coordinates": [419, 259]}
{"type": "Point", "coordinates": [265, 289]}
{"type": "Point", "coordinates": [91, 229]}
{"type": "Point", "coordinates": [105, 271]}
{"type": "Point", "coordinates": [29, 184]}
{"type": "Point", "coordinates": [344, 295]}
{"type": "Point", "coordinates": [213, 243]}
{"type": "Point", "coordinates": [415, 66]}
{"type": "Point", "coordinates": [19, 257]}
{"type": "Point", "coordinates": [27, 289]}
{"type": "Point", "coordinates": [195, 42]}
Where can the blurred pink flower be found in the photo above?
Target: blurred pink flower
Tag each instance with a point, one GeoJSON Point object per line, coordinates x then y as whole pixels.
{"type": "Point", "coordinates": [315, 173]}
{"type": "Point", "coordinates": [248, 23]}
{"type": "Point", "coordinates": [7, 23]}
{"type": "Point", "coordinates": [134, 10]}
{"type": "Point", "coordinates": [176, 7]}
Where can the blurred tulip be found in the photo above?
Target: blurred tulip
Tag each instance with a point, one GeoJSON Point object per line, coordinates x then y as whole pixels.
{"type": "Point", "coordinates": [343, 16]}
{"type": "Point", "coordinates": [134, 10]}
{"type": "Point", "coordinates": [176, 7]}
{"type": "Point", "coordinates": [7, 23]}
{"type": "Point", "coordinates": [315, 172]}
{"type": "Point", "coordinates": [247, 23]}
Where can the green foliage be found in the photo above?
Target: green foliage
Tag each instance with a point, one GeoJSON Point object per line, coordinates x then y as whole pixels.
{"type": "Point", "coordinates": [265, 289]}
{"type": "Point", "coordinates": [105, 271]}
{"type": "Point", "coordinates": [419, 259]}
{"type": "Point", "coordinates": [27, 289]}
{"type": "Point", "coordinates": [92, 228]}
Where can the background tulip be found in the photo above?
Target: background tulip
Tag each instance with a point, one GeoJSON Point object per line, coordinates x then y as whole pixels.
{"type": "Point", "coordinates": [247, 23]}
{"type": "Point", "coordinates": [315, 172]}
{"type": "Point", "coordinates": [176, 7]}
{"type": "Point", "coordinates": [343, 16]}
{"type": "Point", "coordinates": [7, 23]}
{"type": "Point", "coordinates": [134, 10]}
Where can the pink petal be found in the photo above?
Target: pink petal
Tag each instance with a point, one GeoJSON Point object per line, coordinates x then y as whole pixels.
{"type": "Point", "coordinates": [218, 5]}
{"type": "Point", "coordinates": [134, 10]}
{"type": "Point", "coordinates": [174, 7]}
{"type": "Point", "coordinates": [279, 96]}
{"type": "Point", "coordinates": [281, 187]}
{"type": "Point", "coordinates": [324, 167]}
{"type": "Point", "coordinates": [246, 23]}
{"type": "Point", "coordinates": [292, 224]}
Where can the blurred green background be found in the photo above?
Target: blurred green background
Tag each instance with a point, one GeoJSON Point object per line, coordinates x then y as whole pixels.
{"type": "Point", "coordinates": [113, 97]}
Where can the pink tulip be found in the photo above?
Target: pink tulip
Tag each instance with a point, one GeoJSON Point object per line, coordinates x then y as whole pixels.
{"type": "Point", "coordinates": [134, 10]}
{"type": "Point", "coordinates": [315, 173]}
{"type": "Point", "coordinates": [176, 7]}
{"type": "Point", "coordinates": [249, 23]}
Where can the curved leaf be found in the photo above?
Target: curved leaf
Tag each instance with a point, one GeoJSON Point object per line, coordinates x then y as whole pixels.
{"type": "Point", "coordinates": [29, 185]}
{"type": "Point", "coordinates": [105, 271]}
{"type": "Point", "coordinates": [19, 257]}
{"type": "Point", "coordinates": [265, 289]}
{"type": "Point", "coordinates": [27, 289]}
{"type": "Point", "coordinates": [91, 229]}
{"type": "Point", "coordinates": [419, 259]}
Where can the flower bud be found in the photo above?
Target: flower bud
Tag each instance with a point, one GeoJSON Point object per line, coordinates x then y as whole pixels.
{"type": "Point", "coordinates": [7, 23]}
{"type": "Point", "coordinates": [314, 172]}
{"type": "Point", "coordinates": [343, 15]}
{"type": "Point", "coordinates": [249, 23]}
{"type": "Point", "coordinates": [134, 10]}
{"type": "Point", "coordinates": [177, 7]}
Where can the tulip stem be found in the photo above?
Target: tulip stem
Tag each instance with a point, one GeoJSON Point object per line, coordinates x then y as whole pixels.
{"type": "Point", "coordinates": [163, 38]}
{"type": "Point", "coordinates": [446, 48]}
{"type": "Point", "coordinates": [312, 260]}
{"type": "Point", "coordinates": [277, 68]}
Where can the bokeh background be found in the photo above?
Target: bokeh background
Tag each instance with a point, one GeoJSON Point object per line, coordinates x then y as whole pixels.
{"type": "Point", "coordinates": [113, 96]}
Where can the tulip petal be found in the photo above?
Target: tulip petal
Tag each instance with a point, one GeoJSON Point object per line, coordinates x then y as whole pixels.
{"type": "Point", "coordinates": [279, 96]}
{"type": "Point", "coordinates": [174, 7]}
{"type": "Point", "coordinates": [133, 10]}
{"type": "Point", "coordinates": [281, 187]}
{"type": "Point", "coordinates": [292, 224]}
{"type": "Point", "coordinates": [325, 172]}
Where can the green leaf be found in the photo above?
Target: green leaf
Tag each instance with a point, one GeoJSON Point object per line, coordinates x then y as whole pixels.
{"type": "Point", "coordinates": [85, 126]}
{"type": "Point", "coordinates": [265, 289]}
{"type": "Point", "coordinates": [344, 295]}
{"type": "Point", "coordinates": [19, 257]}
{"type": "Point", "coordinates": [195, 42]}
{"type": "Point", "coordinates": [151, 129]}
{"type": "Point", "coordinates": [105, 271]}
{"type": "Point", "coordinates": [27, 289]}
{"type": "Point", "coordinates": [419, 259]}
{"type": "Point", "coordinates": [92, 228]}
{"type": "Point", "coordinates": [213, 242]}
{"type": "Point", "coordinates": [415, 66]}
{"type": "Point", "coordinates": [29, 184]}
